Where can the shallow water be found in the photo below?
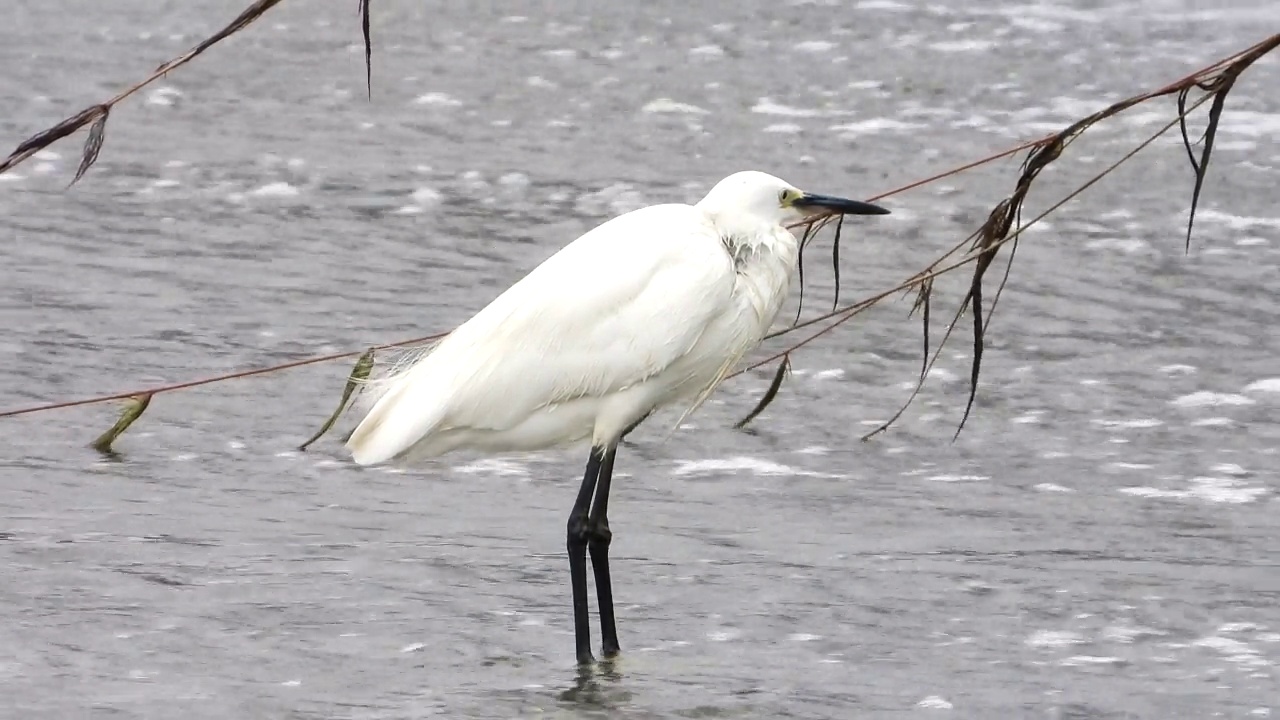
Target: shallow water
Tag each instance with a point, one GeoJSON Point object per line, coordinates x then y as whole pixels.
{"type": "Point", "coordinates": [1098, 543]}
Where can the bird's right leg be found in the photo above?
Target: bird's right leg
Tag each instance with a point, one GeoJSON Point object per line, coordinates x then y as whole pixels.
{"type": "Point", "coordinates": [578, 532]}
{"type": "Point", "coordinates": [598, 538]}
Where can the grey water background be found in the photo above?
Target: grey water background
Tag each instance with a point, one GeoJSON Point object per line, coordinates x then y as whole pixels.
{"type": "Point", "coordinates": [1100, 542]}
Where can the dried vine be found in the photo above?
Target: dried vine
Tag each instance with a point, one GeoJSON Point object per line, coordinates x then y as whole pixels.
{"type": "Point", "coordinates": [1003, 226]}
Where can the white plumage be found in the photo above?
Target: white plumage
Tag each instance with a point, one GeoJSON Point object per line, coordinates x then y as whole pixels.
{"type": "Point", "coordinates": [651, 308]}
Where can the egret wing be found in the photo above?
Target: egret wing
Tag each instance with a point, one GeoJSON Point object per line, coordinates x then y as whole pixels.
{"type": "Point", "coordinates": [615, 307]}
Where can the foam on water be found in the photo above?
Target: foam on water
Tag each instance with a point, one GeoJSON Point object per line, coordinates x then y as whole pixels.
{"type": "Point", "coordinates": [426, 196]}
{"type": "Point", "coordinates": [1127, 635]}
{"type": "Point", "coordinates": [514, 181]}
{"type": "Point", "coordinates": [814, 46]}
{"type": "Point", "coordinates": [948, 478]}
{"type": "Point", "coordinates": [874, 126]}
{"type": "Point", "coordinates": [437, 99]}
{"type": "Point", "coordinates": [1128, 246]}
{"type": "Point", "coordinates": [885, 5]}
{"type": "Point", "coordinates": [1208, 489]}
{"type": "Point", "coordinates": [765, 106]}
{"type": "Point", "coordinates": [1085, 660]}
{"type": "Point", "coordinates": [1269, 385]}
{"type": "Point", "coordinates": [1251, 123]}
{"type": "Point", "coordinates": [1233, 651]}
{"type": "Point", "coordinates": [1036, 25]}
{"type": "Point", "coordinates": [669, 106]}
{"type": "Point", "coordinates": [164, 96]}
{"type": "Point", "coordinates": [963, 46]}
{"type": "Point", "coordinates": [707, 51]}
{"type": "Point", "coordinates": [724, 635]}
{"type": "Point", "coordinates": [1137, 424]}
{"type": "Point", "coordinates": [1043, 11]}
{"type": "Point", "coordinates": [275, 190]}
{"type": "Point", "coordinates": [1054, 638]}
{"type": "Point", "coordinates": [1230, 469]}
{"type": "Point", "coordinates": [1205, 398]}
{"type": "Point", "coordinates": [1236, 222]}
{"type": "Point", "coordinates": [738, 464]}
{"type": "Point", "coordinates": [1129, 466]}
{"type": "Point", "coordinates": [934, 702]}
{"type": "Point", "coordinates": [494, 466]}
{"type": "Point", "coordinates": [783, 129]}
{"type": "Point", "coordinates": [942, 375]}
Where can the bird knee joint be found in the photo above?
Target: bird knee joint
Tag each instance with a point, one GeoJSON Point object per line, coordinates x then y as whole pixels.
{"type": "Point", "coordinates": [600, 535]}
{"type": "Point", "coordinates": [578, 530]}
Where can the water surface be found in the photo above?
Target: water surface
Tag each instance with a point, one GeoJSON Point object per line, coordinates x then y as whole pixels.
{"type": "Point", "coordinates": [1098, 543]}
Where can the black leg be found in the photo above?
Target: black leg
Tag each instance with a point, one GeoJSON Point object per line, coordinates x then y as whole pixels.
{"type": "Point", "coordinates": [598, 538]}
{"type": "Point", "coordinates": [577, 545]}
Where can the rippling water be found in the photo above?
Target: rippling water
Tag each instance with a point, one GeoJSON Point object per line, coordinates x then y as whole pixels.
{"type": "Point", "coordinates": [1100, 542]}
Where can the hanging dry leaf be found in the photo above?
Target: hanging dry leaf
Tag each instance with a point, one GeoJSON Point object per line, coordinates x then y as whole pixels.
{"type": "Point", "coordinates": [769, 394]}
{"type": "Point", "coordinates": [359, 373]}
{"type": "Point", "coordinates": [133, 410]}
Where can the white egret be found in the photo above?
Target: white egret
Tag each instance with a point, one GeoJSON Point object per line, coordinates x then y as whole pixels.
{"type": "Point", "coordinates": [649, 309]}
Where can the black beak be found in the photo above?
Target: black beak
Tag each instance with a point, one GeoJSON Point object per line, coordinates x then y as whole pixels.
{"type": "Point", "coordinates": [838, 206]}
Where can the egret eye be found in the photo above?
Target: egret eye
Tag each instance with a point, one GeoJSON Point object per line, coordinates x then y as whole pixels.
{"type": "Point", "coordinates": [786, 196]}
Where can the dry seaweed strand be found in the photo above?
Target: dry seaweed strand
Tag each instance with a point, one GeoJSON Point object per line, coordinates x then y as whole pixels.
{"type": "Point", "coordinates": [812, 225]}
{"type": "Point", "coordinates": [980, 250]}
{"type": "Point", "coordinates": [368, 46]}
{"type": "Point", "coordinates": [924, 301]}
{"type": "Point", "coordinates": [359, 373]}
{"type": "Point", "coordinates": [174, 387]}
{"type": "Point", "coordinates": [835, 261]}
{"type": "Point", "coordinates": [93, 143]}
{"type": "Point", "coordinates": [804, 242]}
{"type": "Point", "coordinates": [784, 368]}
{"type": "Point", "coordinates": [983, 246]}
{"type": "Point", "coordinates": [97, 114]}
{"type": "Point", "coordinates": [132, 411]}
{"type": "Point", "coordinates": [1215, 80]}
{"type": "Point", "coordinates": [1008, 213]}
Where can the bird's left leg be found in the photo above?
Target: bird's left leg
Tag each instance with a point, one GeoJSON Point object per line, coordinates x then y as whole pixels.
{"type": "Point", "coordinates": [598, 538]}
{"type": "Point", "coordinates": [577, 545]}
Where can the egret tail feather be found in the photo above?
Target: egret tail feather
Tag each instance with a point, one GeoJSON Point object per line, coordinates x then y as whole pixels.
{"type": "Point", "coordinates": [407, 406]}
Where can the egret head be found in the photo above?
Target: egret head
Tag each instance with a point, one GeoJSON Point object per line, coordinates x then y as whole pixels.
{"type": "Point", "coordinates": [760, 197]}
